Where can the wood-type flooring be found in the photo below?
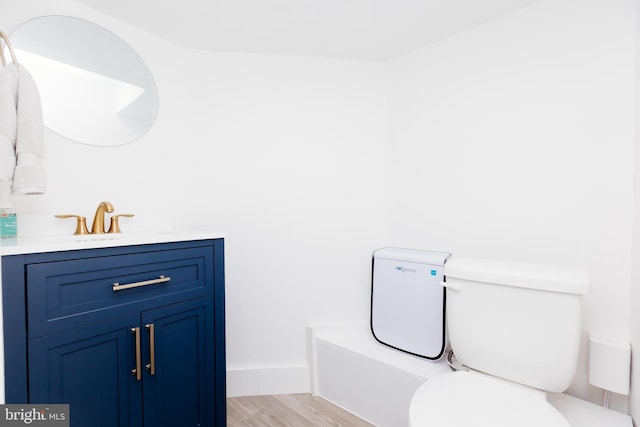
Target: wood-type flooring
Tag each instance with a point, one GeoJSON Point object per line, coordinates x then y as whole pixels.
{"type": "Point", "coordinates": [288, 410]}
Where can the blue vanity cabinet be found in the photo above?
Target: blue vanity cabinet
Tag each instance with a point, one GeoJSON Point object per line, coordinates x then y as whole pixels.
{"type": "Point", "coordinates": [128, 336]}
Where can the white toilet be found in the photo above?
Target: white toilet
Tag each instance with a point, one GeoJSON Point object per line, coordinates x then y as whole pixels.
{"type": "Point", "coordinates": [516, 327]}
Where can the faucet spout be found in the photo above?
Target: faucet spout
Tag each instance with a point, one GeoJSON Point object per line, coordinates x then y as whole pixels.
{"type": "Point", "coordinates": [98, 219]}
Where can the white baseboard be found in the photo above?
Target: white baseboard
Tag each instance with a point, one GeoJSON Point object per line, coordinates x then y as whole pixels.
{"type": "Point", "coordinates": [268, 380]}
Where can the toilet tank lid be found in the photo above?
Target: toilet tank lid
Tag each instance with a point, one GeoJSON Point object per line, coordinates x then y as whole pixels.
{"type": "Point", "coordinates": [520, 274]}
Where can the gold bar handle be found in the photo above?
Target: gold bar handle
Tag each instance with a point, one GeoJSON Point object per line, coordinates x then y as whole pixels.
{"type": "Point", "coordinates": [118, 287]}
{"type": "Point", "coordinates": [151, 367]}
{"type": "Point", "coordinates": [137, 371]}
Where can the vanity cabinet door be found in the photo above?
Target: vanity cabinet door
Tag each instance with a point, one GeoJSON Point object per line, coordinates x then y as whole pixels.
{"type": "Point", "coordinates": [90, 369]}
{"type": "Point", "coordinates": [178, 355]}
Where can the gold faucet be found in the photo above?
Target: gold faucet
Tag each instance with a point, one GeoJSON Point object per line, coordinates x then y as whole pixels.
{"type": "Point", "coordinates": [98, 219]}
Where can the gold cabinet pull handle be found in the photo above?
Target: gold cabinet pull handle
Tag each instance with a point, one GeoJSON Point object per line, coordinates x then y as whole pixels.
{"type": "Point", "coordinates": [137, 371]}
{"type": "Point", "coordinates": [151, 366]}
{"type": "Point", "coordinates": [118, 287]}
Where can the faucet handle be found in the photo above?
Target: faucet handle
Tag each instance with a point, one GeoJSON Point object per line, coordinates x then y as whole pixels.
{"type": "Point", "coordinates": [81, 226]}
{"type": "Point", "coordinates": [115, 226]}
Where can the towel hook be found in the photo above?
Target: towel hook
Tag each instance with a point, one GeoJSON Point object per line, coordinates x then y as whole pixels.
{"type": "Point", "coordinates": [8, 43]}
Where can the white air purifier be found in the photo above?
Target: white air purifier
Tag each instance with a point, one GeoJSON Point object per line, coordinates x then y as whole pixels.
{"type": "Point", "coordinates": [408, 302]}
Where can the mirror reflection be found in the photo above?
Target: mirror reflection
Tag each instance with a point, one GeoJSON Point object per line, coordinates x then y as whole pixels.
{"type": "Point", "coordinates": [95, 89]}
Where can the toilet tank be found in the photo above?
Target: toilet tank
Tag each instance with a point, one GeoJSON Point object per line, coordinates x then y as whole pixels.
{"type": "Point", "coordinates": [517, 321]}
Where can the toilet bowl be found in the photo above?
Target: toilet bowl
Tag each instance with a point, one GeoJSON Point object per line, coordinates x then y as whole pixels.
{"type": "Point", "coordinates": [516, 328]}
{"type": "Point", "coordinates": [469, 399]}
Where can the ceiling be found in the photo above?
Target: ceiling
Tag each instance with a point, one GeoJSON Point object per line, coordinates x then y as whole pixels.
{"type": "Point", "coordinates": [368, 30]}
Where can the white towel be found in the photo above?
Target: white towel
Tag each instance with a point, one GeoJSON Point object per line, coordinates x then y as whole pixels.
{"type": "Point", "coordinates": [8, 121]}
{"type": "Point", "coordinates": [29, 175]}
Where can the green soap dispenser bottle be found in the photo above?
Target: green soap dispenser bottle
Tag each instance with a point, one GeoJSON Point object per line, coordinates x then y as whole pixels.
{"type": "Point", "coordinates": [8, 217]}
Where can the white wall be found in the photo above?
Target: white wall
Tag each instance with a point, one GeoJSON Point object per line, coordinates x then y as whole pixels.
{"type": "Point", "coordinates": [287, 155]}
{"type": "Point", "coordinates": [515, 140]}
{"type": "Point", "coordinates": [291, 161]}
{"type": "Point", "coordinates": [634, 403]}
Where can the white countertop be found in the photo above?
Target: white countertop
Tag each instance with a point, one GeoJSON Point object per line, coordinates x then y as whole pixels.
{"type": "Point", "coordinates": [37, 244]}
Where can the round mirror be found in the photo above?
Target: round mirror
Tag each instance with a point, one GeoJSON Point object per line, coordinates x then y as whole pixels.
{"type": "Point", "coordinates": [95, 89]}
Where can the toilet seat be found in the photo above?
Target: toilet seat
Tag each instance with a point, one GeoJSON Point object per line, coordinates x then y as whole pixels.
{"type": "Point", "coordinates": [469, 399]}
